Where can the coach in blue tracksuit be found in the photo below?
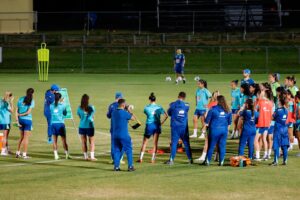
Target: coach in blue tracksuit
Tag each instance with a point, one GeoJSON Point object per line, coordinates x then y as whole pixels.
{"type": "Point", "coordinates": [120, 135]}
{"type": "Point", "coordinates": [112, 107]}
{"type": "Point", "coordinates": [218, 120]}
{"type": "Point", "coordinates": [178, 111]}
{"type": "Point", "coordinates": [49, 99]}
{"type": "Point", "coordinates": [249, 117]}
{"type": "Point", "coordinates": [280, 135]}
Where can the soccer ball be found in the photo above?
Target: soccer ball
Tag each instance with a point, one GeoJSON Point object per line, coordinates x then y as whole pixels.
{"type": "Point", "coordinates": [197, 78]}
{"type": "Point", "coordinates": [168, 78]}
{"type": "Point", "coordinates": [130, 107]}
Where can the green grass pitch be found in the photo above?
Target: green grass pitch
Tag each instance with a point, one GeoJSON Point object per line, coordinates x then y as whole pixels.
{"type": "Point", "coordinates": [43, 178]}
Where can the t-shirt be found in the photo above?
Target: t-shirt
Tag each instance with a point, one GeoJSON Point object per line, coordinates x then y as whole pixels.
{"type": "Point", "coordinates": [202, 97]}
{"type": "Point", "coordinates": [179, 60]}
{"type": "Point", "coordinates": [178, 111]}
{"type": "Point", "coordinates": [153, 113]}
{"type": "Point", "coordinates": [57, 113]}
{"type": "Point", "coordinates": [291, 112]}
{"type": "Point", "coordinates": [294, 90]}
{"type": "Point", "coordinates": [249, 120]}
{"type": "Point", "coordinates": [235, 98]}
{"type": "Point", "coordinates": [280, 117]}
{"type": "Point", "coordinates": [274, 86]}
{"type": "Point", "coordinates": [120, 120]}
{"type": "Point", "coordinates": [22, 108]}
{"type": "Point", "coordinates": [265, 109]}
{"type": "Point", "coordinates": [86, 118]}
{"type": "Point", "coordinates": [249, 81]}
{"type": "Point", "coordinates": [217, 119]}
{"type": "Point", "coordinates": [5, 114]}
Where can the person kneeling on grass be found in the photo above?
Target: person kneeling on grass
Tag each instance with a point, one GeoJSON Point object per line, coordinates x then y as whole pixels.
{"type": "Point", "coordinates": [120, 135]}
{"type": "Point", "coordinates": [86, 114]}
{"type": "Point", "coordinates": [153, 126]}
{"type": "Point", "coordinates": [58, 111]}
{"type": "Point", "coordinates": [281, 136]}
{"type": "Point", "coordinates": [178, 112]}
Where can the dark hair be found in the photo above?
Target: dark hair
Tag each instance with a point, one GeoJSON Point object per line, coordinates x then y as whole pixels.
{"type": "Point", "coordinates": [152, 97]}
{"type": "Point", "coordinates": [275, 76]}
{"type": "Point", "coordinates": [245, 86]}
{"type": "Point", "coordinates": [203, 82]}
{"type": "Point", "coordinates": [121, 101]}
{"type": "Point", "coordinates": [84, 105]}
{"type": "Point", "coordinates": [57, 97]}
{"type": "Point", "coordinates": [297, 96]}
{"type": "Point", "coordinates": [28, 98]}
{"type": "Point", "coordinates": [222, 102]}
{"type": "Point", "coordinates": [293, 79]}
{"type": "Point", "coordinates": [235, 82]}
{"type": "Point", "coordinates": [268, 90]}
{"type": "Point", "coordinates": [256, 89]}
{"type": "Point", "coordinates": [280, 89]}
{"type": "Point", "coordinates": [250, 106]}
{"type": "Point", "coordinates": [290, 93]}
{"type": "Point", "coordinates": [282, 100]}
{"type": "Point", "coordinates": [182, 95]}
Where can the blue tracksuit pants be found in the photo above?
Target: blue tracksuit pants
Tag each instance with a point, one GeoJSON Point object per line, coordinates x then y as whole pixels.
{"type": "Point", "coordinates": [48, 118]}
{"type": "Point", "coordinates": [120, 145]}
{"type": "Point", "coordinates": [247, 137]}
{"type": "Point", "coordinates": [216, 137]}
{"type": "Point", "coordinates": [176, 134]}
{"type": "Point", "coordinates": [280, 141]}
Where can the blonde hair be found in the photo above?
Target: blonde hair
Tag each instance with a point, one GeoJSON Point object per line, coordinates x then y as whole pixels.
{"type": "Point", "coordinates": [178, 51]}
{"type": "Point", "coordinates": [7, 95]}
{"type": "Point", "coordinates": [214, 96]}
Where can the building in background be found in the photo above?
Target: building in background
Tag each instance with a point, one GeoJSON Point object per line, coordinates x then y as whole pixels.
{"type": "Point", "coordinates": [16, 16]}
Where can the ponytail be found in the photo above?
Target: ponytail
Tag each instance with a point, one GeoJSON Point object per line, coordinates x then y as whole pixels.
{"type": "Point", "coordinates": [29, 96]}
{"type": "Point", "coordinates": [203, 82]}
{"type": "Point", "coordinates": [85, 103]}
{"type": "Point", "coordinates": [250, 106]}
{"type": "Point", "coordinates": [57, 97]}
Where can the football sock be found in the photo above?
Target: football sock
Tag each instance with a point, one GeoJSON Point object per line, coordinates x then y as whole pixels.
{"type": "Point", "coordinates": [85, 155]}
{"type": "Point", "coordinates": [92, 155]}
{"type": "Point", "coordinates": [142, 155]}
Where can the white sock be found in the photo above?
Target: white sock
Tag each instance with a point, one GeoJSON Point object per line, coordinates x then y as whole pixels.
{"type": "Point", "coordinates": [195, 131]}
{"type": "Point", "coordinates": [92, 155]}
{"type": "Point", "coordinates": [203, 154]}
{"type": "Point", "coordinates": [269, 152]}
{"type": "Point", "coordinates": [24, 154]}
{"type": "Point", "coordinates": [203, 132]}
{"type": "Point", "coordinates": [141, 155]}
{"type": "Point", "coordinates": [257, 154]}
{"type": "Point", "coordinates": [55, 153]}
{"type": "Point", "coordinates": [85, 155]}
{"type": "Point", "coordinates": [266, 153]}
{"type": "Point", "coordinates": [3, 150]}
{"type": "Point", "coordinates": [153, 156]}
{"type": "Point", "coordinates": [18, 152]}
{"type": "Point", "coordinates": [67, 153]}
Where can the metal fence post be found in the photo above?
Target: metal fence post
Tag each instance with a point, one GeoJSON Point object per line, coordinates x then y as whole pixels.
{"type": "Point", "coordinates": [267, 59]}
{"type": "Point", "coordinates": [140, 22]}
{"type": "Point", "coordinates": [220, 65]}
{"type": "Point", "coordinates": [193, 22]}
{"type": "Point", "coordinates": [128, 59]}
{"type": "Point", "coordinates": [82, 56]}
{"type": "Point", "coordinates": [36, 21]}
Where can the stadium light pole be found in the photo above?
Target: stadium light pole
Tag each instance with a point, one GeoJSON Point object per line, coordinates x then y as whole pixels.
{"type": "Point", "coordinates": [157, 13]}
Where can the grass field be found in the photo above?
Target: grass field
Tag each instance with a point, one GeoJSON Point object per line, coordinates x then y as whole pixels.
{"type": "Point", "coordinates": [43, 178]}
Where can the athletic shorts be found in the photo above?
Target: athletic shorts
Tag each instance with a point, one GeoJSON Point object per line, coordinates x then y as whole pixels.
{"type": "Point", "coordinates": [151, 129]}
{"type": "Point", "coordinates": [271, 130]}
{"type": "Point", "coordinates": [90, 132]}
{"type": "Point", "coordinates": [58, 129]}
{"type": "Point", "coordinates": [234, 111]}
{"type": "Point", "coordinates": [26, 125]}
{"type": "Point", "coordinates": [297, 126]}
{"type": "Point", "coordinates": [290, 125]}
{"type": "Point", "coordinates": [262, 130]}
{"type": "Point", "coordinates": [4, 126]}
{"type": "Point", "coordinates": [199, 113]}
{"type": "Point", "coordinates": [179, 70]}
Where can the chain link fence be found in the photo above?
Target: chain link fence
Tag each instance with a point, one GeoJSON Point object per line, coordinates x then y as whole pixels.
{"type": "Point", "coordinates": [145, 59]}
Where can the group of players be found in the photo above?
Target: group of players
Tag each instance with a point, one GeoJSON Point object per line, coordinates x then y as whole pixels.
{"type": "Point", "coordinates": [265, 115]}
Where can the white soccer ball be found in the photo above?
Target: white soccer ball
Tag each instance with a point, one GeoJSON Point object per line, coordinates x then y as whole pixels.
{"type": "Point", "coordinates": [197, 78]}
{"type": "Point", "coordinates": [168, 78]}
{"type": "Point", "coordinates": [130, 107]}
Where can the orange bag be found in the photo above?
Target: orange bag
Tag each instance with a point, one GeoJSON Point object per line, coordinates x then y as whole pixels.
{"type": "Point", "coordinates": [235, 161]}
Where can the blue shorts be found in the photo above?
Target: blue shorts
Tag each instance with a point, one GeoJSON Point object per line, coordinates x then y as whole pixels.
{"type": "Point", "coordinates": [58, 129]}
{"type": "Point", "coordinates": [26, 125]}
{"type": "Point", "coordinates": [290, 125]}
{"type": "Point", "coordinates": [90, 132]}
{"type": "Point", "coordinates": [271, 130]}
{"type": "Point", "coordinates": [179, 70]}
{"type": "Point", "coordinates": [151, 129]}
{"type": "Point", "coordinates": [4, 126]}
{"type": "Point", "coordinates": [262, 130]}
{"type": "Point", "coordinates": [234, 111]}
{"type": "Point", "coordinates": [297, 126]}
{"type": "Point", "coordinates": [199, 113]}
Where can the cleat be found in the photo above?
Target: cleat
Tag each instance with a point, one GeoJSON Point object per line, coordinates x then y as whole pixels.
{"type": "Point", "coordinates": [284, 163]}
{"type": "Point", "coordinates": [25, 157]}
{"type": "Point", "coordinates": [131, 169]}
{"type": "Point", "coordinates": [93, 159]}
{"type": "Point", "coordinates": [193, 136]}
{"type": "Point", "coordinates": [117, 169]}
{"type": "Point", "coordinates": [257, 159]}
{"type": "Point", "coordinates": [68, 157]}
{"type": "Point", "coordinates": [18, 156]}
{"type": "Point", "coordinates": [169, 162]}
{"type": "Point", "coordinates": [265, 158]}
{"type": "Point", "coordinates": [139, 161]}
{"type": "Point", "coordinates": [183, 80]}
{"type": "Point", "coordinates": [205, 163]}
{"type": "Point", "coordinates": [274, 164]}
{"type": "Point", "coordinates": [191, 162]}
{"type": "Point", "coordinates": [202, 136]}
{"type": "Point", "coordinates": [50, 141]}
{"type": "Point", "coordinates": [56, 157]}
{"type": "Point", "coordinates": [4, 154]}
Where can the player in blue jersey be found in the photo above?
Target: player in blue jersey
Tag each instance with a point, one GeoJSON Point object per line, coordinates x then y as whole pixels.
{"type": "Point", "coordinates": [153, 126]}
{"type": "Point", "coordinates": [218, 120]}
{"type": "Point", "coordinates": [247, 80]}
{"type": "Point", "coordinates": [121, 136]}
{"type": "Point", "coordinates": [280, 135]}
{"type": "Point", "coordinates": [202, 98]}
{"type": "Point", "coordinates": [24, 119]}
{"type": "Point", "coordinates": [249, 117]}
{"type": "Point", "coordinates": [179, 62]}
{"type": "Point", "coordinates": [178, 111]}
{"type": "Point", "coordinates": [235, 106]}
{"type": "Point", "coordinates": [58, 112]}
{"type": "Point", "coordinates": [49, 99]}
{"type": "Point", "coordinates": [86, 114]}
{"type": "Point", "coordinates": [112, 107]}
{"type": "Point", "coordinates": [297, 126]}
{"type": "Point", "coordinates": [6, 108]}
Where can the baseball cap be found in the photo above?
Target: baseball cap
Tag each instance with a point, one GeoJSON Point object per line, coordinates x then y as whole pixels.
{"type": "Point", "coordinates": [55, 87]}
{"type": "Point", "coordinates": [119, 95]}
{"type": "Point", "coordinates": [247, 71]}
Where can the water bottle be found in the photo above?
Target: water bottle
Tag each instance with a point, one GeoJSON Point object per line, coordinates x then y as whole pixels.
{"type": "Point", "coordinates": [241, 162]}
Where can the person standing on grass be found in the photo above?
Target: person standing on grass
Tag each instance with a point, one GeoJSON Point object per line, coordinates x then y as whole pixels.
{"type": "Point", "coordinates": [249, 117]}
{"type": "Point", "coordinates": [111, 108]}
{"type": "Point", "coordinates": [49, 99]}
{"type": "Point", "coordinates": [120, 135]}
{"type": "Point", "coordinates": [6, 108]}
{"type": "Point", "coordinates": [86, 114]}
{"type": "Point", "coordinates": [202, 98]}
{"type": "Point", "coordinates": [297, 127]}
{"type": "Point", "coordinates": [235, 106]}
{"type": "Point", "coordinates": [178, 111]}
{"type": "Point", "coordinates": [280, 138]}
{"type": "Point", "coordinates": [273, 80]}
{"type": "Point", "coordinates": [179, 62]}
{"type": "Point", "coordinates": [291, 119]}
{"type": "Point", "coordinates": [58, 112]}
{"type": "Point", "coordinates": [218, 120]}
{"type": "Point", "coordinates": [153, 126]}
{"type": "Point", "coordinates": [24, 121]}
{"type": "Point", "coordinates": [247, 80]}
